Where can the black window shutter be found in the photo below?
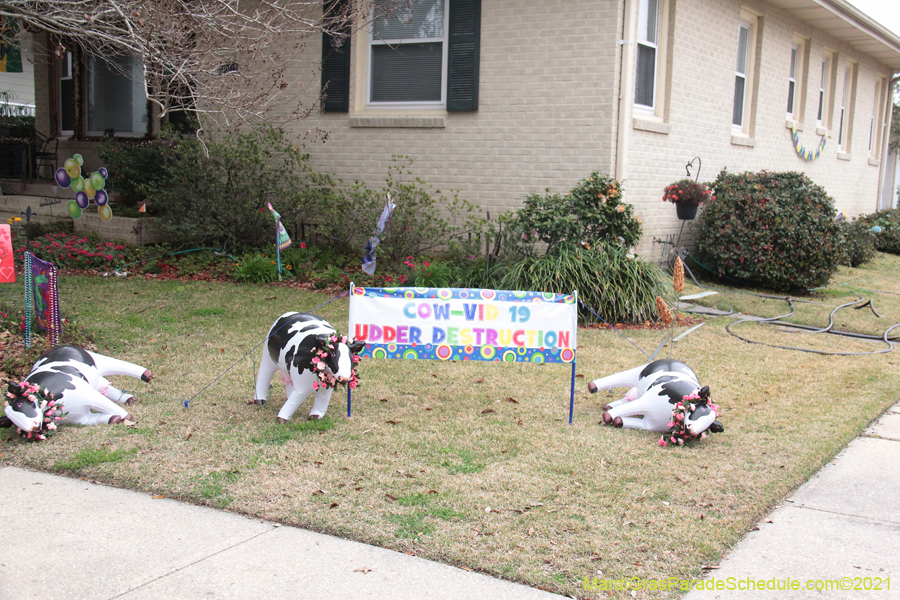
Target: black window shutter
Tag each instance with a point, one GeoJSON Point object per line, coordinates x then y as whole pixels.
{"type": "Point", "coordinates": [336, 62]}
{"type": "Point", "coordinates": [462, 63]}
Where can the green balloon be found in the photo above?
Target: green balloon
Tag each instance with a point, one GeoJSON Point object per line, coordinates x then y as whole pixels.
{"type": "Point", "coordinates": [77, 184]}
{"type": "Point", "coordinates": [77, 158]}
{"type": "Point", "coordinates": [97, 181]}
{"type": "Point", "coordinates": [74, 209]}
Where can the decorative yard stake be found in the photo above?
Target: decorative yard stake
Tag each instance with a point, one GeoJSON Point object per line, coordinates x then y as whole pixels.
{"type": "Point", "coordinates": [41, 298]}
{"type": "Point", "coordinates": [368, 260]}
{"type": "Point", "coordinates": [282, 239]}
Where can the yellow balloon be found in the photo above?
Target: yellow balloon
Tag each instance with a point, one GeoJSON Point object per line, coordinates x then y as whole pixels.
{"type": "Point", "coordinates": [105, 212]}
{"type": "Point", "coordinates": [89, 189]}
{"type": "Point", "coordinates": [72, 168]}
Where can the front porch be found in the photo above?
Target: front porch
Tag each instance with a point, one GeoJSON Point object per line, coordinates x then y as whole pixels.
{"type": "Point", "coordinates": [47, 202]}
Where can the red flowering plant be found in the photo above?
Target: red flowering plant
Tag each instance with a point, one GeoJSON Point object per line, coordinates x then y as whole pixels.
{"type": "Point", "coordinates": [70, 251]}
{"type": "Point", "coordinates": [687, 191]}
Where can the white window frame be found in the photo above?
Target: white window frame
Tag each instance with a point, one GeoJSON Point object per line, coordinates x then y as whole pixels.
{"type": "Point", "coordinates": [875, 123]}
{"type": "Point", "coordinates": [372, 41]}
{"type": "Point", "coordinates": [643, 40]}
{"type": "Point", "coordinates": [793, 87]}
{"type": "Point", "coordinates": [823, 86]}
{"type": "Point", "coordinates": [748, 22]}
{"type": "Point", "coordinates": [845, 122]}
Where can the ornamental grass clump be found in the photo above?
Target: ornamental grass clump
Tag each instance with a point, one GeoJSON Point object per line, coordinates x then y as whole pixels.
{"type": "Point", "coordinates": [619, 286]}
{"type": "Point", "coordinates": [773, 230]}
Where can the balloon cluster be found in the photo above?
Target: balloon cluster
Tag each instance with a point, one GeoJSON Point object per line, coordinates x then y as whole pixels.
{"type": "Point", "coordinates": [85, 188]}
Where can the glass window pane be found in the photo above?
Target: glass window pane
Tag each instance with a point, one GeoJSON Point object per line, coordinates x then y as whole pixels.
{"type": "Point", "coordinates": [647, 21]}
{"type": "Point", "coordinates": [737, 116]}
{"type": "Point", "coordinates": [743, 44]}
{"type": "Point", "coordinates": [646, 76]}
{"type": "Point", "coordinates": [790, 106]}
{"type": "Point", "coordinates": [794, 62]}
{"type": "Point", "coordinates": [116, 95]}
{"type": "Point", "coordinates": [418, 19]}
{"type": "Point", "coordinates": [407, 73]}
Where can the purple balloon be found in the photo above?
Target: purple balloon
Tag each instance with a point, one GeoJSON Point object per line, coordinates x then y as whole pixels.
{"type": "Point", "coordinates": [82, 200]}
{"type": "Point", "coordinates": [101, 197]}
{"type": "Point", "coordinates": [103, 172]}
{"type": "Point", "coordinates": [62, 178]}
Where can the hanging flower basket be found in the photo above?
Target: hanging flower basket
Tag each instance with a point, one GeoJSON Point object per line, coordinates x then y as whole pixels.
{"type": "Point", "coordinates": [687, 196]}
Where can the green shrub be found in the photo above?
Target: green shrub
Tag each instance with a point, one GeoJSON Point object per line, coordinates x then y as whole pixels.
{"type": "Point", "coordinates": [774, 230]}
{"type": "Point", "coordinates": [592, 213]}
{"type": "Point", "coordinates": [424, 219]}
{"type": "Point", "coordinates": [886, 227]}
{"type": "Point", "coordinates": [619, 286]}
{"type": "Point", "coordinates": [431, 273]}
{"type": "Point", "coordinates": [857, 243]}
{"type": "Point", "coordinates": [256, 268]}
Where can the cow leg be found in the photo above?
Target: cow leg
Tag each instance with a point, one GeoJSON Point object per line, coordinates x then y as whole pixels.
{"type": "Point", "coordinates": [628, 379]}
{"type": "Point", "coordinates": [301, 388]}
{"type": "Point", "coordinates": [107, 365]}
{"type": "Point", "coordinates": [320, 404]}
{"type": "Point", "coordinates": [656, 411]}
{"type": "Point", "coordinates": [267, 368]}
{"type": "Point", "coordinates": [113, 393]}
{"type": "Point", "coordinates": [87, 406]}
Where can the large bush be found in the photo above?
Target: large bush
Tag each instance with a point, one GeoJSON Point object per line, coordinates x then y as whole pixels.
{"type": "Point", "coordinates": [857, 243]}
{"type": "Point", "coordinates": [619, 286]}
{"type": "Point", "coordinates": [215, 195]}
{"type": "Point", "coordinates": [592, 213]}
{"type": "Point", "coordinates": [774, 230]}
{"type": "Point", "coordinates": [886, 227]}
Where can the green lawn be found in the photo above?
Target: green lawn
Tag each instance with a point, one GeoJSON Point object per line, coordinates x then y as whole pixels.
{"type": "Point", "coordinates": [475, 464]}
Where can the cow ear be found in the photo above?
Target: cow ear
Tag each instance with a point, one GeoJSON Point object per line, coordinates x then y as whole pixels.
{"type": "Point", "coordinates": [356, 347]}
{"type": "Point", "coordinates": [321, 340]}
{"type": "Point", "coordinates": [704, 392]}
{"type": "Point", "coordinates": [716, 427]}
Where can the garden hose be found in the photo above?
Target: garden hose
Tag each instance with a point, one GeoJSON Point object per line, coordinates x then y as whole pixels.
{"type": "Point", "coordinates": [137, 262]}
{"type": "Point", "coordinates": [829, 329]}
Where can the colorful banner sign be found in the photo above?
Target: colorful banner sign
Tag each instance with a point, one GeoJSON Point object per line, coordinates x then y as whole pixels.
{"type": "Point", "coordinates": [7, 267]}
{"type": "Point", "coordinates": [464, 324]}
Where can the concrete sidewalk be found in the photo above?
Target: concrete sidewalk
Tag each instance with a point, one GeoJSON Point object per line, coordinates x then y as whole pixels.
{"type": "Point", "coordinates": [108, 543]}
{"type": "Point", "coordinates": [840, 531]}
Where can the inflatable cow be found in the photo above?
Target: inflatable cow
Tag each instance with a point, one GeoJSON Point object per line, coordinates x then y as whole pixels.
{"type": "Point", "coordinates": [663, 392]}
{"type": "Point", "coordinates": [76, 378]}
{"type": "Point", "coordinates": [311, 358]}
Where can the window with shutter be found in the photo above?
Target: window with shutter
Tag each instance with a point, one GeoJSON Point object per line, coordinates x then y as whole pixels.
{"type": "Point", "coordinates": [336, 58]}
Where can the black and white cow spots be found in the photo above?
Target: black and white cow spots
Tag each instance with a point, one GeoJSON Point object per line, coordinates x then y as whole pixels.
{"type": "Point", "coordinates": [311, 357]}
{"type": "Point", "coordinates": [77, 379]}
{"type": "Point", "coordinates": [655, 388]}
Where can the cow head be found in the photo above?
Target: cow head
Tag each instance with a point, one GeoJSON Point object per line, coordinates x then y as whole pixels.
{"type": "Point", "coordinates": [23, 408]}
{"type": "Point", "coordinates": [34, 412]}
{"type": "Point", "coordinates": [335, 361]}
{"type": "Point", "coordinates": [692, 418]}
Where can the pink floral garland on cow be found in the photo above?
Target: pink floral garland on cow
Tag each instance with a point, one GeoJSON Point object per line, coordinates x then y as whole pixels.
{"type": "Point", "coordinates": [51, 409]}
{"type": "Point", "coordinates": [677, 433]}
{"type": "Point", "coordinates": [319, 365]}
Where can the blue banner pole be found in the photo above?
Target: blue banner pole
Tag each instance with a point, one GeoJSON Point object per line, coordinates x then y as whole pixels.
{"type": "Point", "coordinates": [572, 394]}
{"type": "Point", "coordinates": [349, 390]}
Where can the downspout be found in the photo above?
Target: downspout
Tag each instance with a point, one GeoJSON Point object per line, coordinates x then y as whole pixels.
{"type": "Point", "coordinates": [626, 87]}
{"type": "Point", "coordinates": [885, 143]}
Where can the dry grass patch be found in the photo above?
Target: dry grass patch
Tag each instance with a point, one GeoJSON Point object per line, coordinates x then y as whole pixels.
{"type": "Point", "coordinates": [472, 464]}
